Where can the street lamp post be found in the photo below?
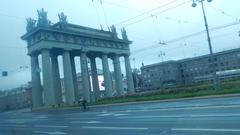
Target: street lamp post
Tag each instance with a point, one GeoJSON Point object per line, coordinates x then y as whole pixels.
{"type": "Point", "coordinates": [215, 78]}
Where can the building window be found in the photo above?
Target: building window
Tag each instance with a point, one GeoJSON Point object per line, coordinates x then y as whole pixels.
{"type": "Point", "coordinates": [227, 63]}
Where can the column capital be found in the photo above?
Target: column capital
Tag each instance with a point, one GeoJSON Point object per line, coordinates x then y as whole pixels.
{"type": "Point", "coordinates": [126, 55]}
{"type": "Point", "coordinates": [45, 49]}
{"type": "Point", "coordinates": [115, 58]}
{"type": "Point", "coordinates": [33, 54]}
{"type": "Point", "coordinates": [114, 55]}
{"type": "Point", "coordinates": [91, 56]}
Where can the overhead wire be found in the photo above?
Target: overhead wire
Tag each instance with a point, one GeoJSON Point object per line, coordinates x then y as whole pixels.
{"type": "Point", "coordinates": [224, 13]}
{"type": "Point", "coordinates": [203, 31]}
{"type": "Point", "coordinates": [185, 37]}
{"type": "Point", "coordinates": [146, 12]}
{"type": "Point", "coordinates": [98, 16]}
{"type": "Point", "coordinates": [104, 14]}
{"type": "Point", "coordinates": [168, 9]}
{"type": "Point", "coordinates": [97, 13]}
{"type": "Point", "coordinates": [192, 44]}
{"type": "Point", "coordinates": [121, 6]}
{"type": "Point", "coordinates": [161, 17]}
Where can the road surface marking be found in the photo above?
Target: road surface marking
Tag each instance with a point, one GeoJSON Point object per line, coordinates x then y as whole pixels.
{"type": "Point", "coordinates": [50, 126]}
{"type": "Point", "coordinates": [184, 108]}
{"type": "Point", "coordinates": [115, 128]}
{"type": "Point", "coordinates": [129, 111]}
{"type": "Point", "coordinates": [111, 114]}
{"type": "Point", "coordinates": [16, 122]}
{"type": "Point", "coordinates": [86, 122]}
{"type": "Point", "coordinates": [119, 114]}
{"type": "Point", "coordinates": [180, 116]}
{"type": "Point", "coordinates": [12, 125]}
{"type": "Point", "coordinates": [81, 118]}
{"type": "Point", "coordinates": [41, 117]}
{"type": "Point", "coordinates": [105, 114]}
{"type": "Point", "coordinates": [50, 133]}
{"type": "Point", "coordinates": [205, 129]}
{"type": "Point", "coordinates": [159, 109]}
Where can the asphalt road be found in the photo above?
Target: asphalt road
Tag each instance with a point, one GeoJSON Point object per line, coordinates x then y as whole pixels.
{"type": "Point", "coordinates": [215, 116]}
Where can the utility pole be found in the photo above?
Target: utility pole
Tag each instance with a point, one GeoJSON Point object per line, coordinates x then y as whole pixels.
{"type": "Point", "coordinates": [162, 42]}
{"type": "Point", "coordinates": [161, 54]}
{"type": "Point", "coordinates": [212, 66]}
{"type": "Point", "coordinates": [133, 59]}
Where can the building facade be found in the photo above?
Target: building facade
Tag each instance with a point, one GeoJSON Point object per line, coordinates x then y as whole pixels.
{"type": "Point", "coordinates": [16, 98]}
{"type": "Point", "coordinates": [49, 41]}
{"type": "Point", "coordinates": [191, 70]}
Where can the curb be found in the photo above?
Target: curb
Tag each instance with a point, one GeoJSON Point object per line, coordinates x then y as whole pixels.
{"type": "Point", "coordinates": [45, 109]}
{"type": "Point", "coordinates": [168, 100]}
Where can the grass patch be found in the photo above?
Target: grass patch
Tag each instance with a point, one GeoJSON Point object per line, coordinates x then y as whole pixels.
{"type": "Point", "coordinates": [227, 87]}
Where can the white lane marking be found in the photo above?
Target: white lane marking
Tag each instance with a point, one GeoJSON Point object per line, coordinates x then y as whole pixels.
{"type": "Point", "coordinates": [163, 109]}
{"type": "Point", "coordinates": [119, 114]}
{"type": "Point", "coordinates": [129, 111]}
{"type": "Point", "coordinates": [16, 122]}
{"type": "Point", "coordinates": [50, 133]}
{"type": "Point", "coordinates": [111, 114]}
{"type": "Point", "coordinates": [86, 122]}
{"type": "Point", "coordinates": [185, 108]}
{"type": "Point", "coordinates": [13, 125]}
{"type": "Point", "coordinates": [22, 121]}
{"type": "Point", "coordinates": [41, 117]}
{"type": "Point", "coordinates": [188, 108]}
{"type": "Point", "coordinates": [115, 128]}
{"type": "Point", "coordinates": [81, 118]}
{"type": "Point", "coordinates": [105, 114]}
{"type": "Point", "coordinates": [180, 116]}
{"type": "Point", "coordinates": [49, 126]}
{"type": "Point", "coordinates": [205, 129]}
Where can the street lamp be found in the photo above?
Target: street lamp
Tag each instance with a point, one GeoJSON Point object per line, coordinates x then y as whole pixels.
{"type": "Point", "coordinates": [215, 79]}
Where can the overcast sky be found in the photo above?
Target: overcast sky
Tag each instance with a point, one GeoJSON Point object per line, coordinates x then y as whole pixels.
{"type": "Point", "coordinates": [166, 21]}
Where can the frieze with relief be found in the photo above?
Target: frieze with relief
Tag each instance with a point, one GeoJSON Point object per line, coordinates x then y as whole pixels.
{"type": "Point", "coordinates": [67, 38]}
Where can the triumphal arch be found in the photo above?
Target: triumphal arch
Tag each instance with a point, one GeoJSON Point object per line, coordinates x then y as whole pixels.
{"type": "Point", "coordinates": [69, 40]}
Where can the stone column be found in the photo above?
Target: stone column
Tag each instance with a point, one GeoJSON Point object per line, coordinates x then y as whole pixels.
{"type": "Point", "coordinates": [85, 77]}
{"type": "Point", "coordinates": [49, 93]}
{"type": "Point", "coordinates": [68, 78]}
{"type": "Point", "coordinates": [118, 75]}
{"type": "Point", "coordinates": [77, 96]}
{"type": "Point", "coordinates": [107, 76]}
{"type": "Point", "coordinates": [37, 99]}
{"type": "Point", "coordinates": [56, 79]}
{"type": "Point", "coordinates": [129, 75]}
{"type": "Point", "coordinates": [95, 82]}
